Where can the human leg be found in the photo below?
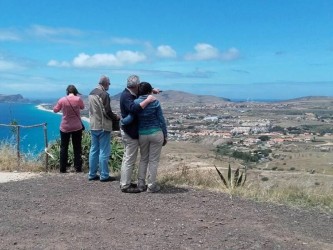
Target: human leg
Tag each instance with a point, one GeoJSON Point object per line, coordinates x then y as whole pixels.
{"type": "Point", "coordinates": [104, 154]}
{"type": "Point", "coordinates": [144, 158]}
{"type": "Point", "coordinates": [77, 148]}
{"type": "Point", "coordinates": [155, 147]}
{"type": "Point", "coordinates": [129, 158]}
{"type": "Point", "coordinates": [94, 154]}
{"type": "Point", "coordinates": [64, 137]}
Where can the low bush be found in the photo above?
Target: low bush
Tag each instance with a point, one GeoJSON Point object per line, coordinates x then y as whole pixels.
{"type": "Point", "coordinates": [54, 154]}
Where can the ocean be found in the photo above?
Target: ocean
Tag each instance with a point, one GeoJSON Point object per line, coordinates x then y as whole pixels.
{"type": "Point", "coordinates": [31, 139]}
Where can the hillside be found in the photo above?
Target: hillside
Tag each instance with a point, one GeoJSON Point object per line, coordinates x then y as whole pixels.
{"type": "Point", "coordinates": [173, 97]}
{"type": "Point", "coordinates": [13, 98]}
{"type": "Point", "coordinates": [180, 97]}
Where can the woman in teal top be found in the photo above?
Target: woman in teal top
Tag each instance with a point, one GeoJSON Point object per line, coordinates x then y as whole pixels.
{"type": "Point", "coordinates": [152, 136]}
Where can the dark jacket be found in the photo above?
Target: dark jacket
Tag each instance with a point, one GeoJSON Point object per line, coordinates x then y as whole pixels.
{"type": "Point", "coordinates": [127, 106]}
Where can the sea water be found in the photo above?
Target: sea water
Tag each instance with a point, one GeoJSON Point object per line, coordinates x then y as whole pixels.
{"type": "Point", "coordinates": [32, 140]}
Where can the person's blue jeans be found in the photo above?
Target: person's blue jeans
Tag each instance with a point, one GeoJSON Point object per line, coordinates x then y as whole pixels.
{"type": "Point", "coordinates": [99, 155]}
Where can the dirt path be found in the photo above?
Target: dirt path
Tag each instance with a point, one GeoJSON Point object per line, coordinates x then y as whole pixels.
{"type": "Point", "coordinates": [68, 212]}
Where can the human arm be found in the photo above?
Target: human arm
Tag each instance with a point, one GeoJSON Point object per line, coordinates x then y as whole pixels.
{"type": "Point", "coordinates": [162, 122]}
{"type": "Point", "coordinates": [58, 106]}
{"type": "Point", "coordinates": [129, 103]}
{"type": "Point", "coordinates": [156, 91]}
{"type": "Point", "coordinates": [81, 104]}
{"type": "Point", "coordinates": [148, 100]}
{"type": "Point", "coordinates": [107, 107]}
{"type": "Point", "coordinates": [127, 120]}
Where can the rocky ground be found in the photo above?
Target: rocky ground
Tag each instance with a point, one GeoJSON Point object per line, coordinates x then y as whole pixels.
{"type": "Point", "coordinates": [54, 211]}
{"type": "Point", "coordinates": [66, 211]}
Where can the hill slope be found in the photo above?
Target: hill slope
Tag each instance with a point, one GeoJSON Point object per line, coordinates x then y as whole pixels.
{"type": "Point", "coordinates": [180, 97]}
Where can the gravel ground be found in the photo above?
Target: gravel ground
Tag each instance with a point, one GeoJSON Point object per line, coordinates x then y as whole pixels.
{"type": "Point", "coordinates": [16, 176]}
{"type": "Point", "coordinates": [67, 211]}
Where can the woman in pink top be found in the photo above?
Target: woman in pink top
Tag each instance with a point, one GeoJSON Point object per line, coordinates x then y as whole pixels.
{"type": "Point", "coordinates": [70, 126]}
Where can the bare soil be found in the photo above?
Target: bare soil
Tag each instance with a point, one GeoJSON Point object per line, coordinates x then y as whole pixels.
{"type": "Point", "coordinates": [66, 211]}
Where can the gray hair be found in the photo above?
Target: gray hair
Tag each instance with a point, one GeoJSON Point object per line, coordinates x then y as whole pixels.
{"type": "Point", "coordinates": [133, 81]}
{"type": "Point", "coordinates": [104, 80]}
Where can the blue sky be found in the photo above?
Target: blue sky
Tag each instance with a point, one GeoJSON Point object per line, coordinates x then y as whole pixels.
{"type": "Point", "coordinates": [238, 49]}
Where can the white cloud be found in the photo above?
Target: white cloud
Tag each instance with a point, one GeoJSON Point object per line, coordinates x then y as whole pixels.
{"type": "Point", "coordinates": [200, 73]}
{"type": "Point", "coordinates": [166, 51]}
{"type": "Point", "coordinates": [54, 63]}
{"type": "Point", "coordinates": [44, 31]}
{"type": "Point", "coordinates": [84, 60]}
{"type": "Point", "coordinates": [6, 35]}
{"type": "Point", "coordinates": [6, 65]}
{"type": "Point", "coordinates": [204, 51]}
{"type": "Point", "coordinates": [230, 54]}
{"type": "Point", "coordinates": [99, 60]}
{"type": "Point", "coordinates": [123, 40]}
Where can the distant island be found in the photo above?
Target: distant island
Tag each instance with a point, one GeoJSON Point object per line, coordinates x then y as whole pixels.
{"type": "Point", "coordinates": [17, 98]}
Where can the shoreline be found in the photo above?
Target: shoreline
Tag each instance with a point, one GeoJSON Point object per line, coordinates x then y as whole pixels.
{"type": "Point", "coordinates": [43, 108]}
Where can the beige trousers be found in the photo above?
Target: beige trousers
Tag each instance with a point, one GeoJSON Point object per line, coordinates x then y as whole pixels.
{"type": "Point", "coordinates": [150, 150]}
{"type": "Point", "coordinates": [131, 147]}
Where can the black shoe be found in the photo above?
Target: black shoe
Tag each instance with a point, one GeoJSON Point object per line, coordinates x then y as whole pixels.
{"type": "Point", "coordinates": [96, 178]}
{"type": "Point", "coordinates": [78, 170]}
{"type": "Point", "coordinates": [143, 188]}
{"type": "Point", "coordinates": [134, 185]}
{"type": "Point", "coordinates": [110, 178]}
{"type": "Point", "coordinates": [63, 171]}
{"type": "Point", "coordinates": [130, 189]}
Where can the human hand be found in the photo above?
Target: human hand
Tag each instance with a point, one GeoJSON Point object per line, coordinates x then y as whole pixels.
{"type": "Point", "coordinates": [156, 91]}
{"type": "Point", "coordinates": [151, 98]}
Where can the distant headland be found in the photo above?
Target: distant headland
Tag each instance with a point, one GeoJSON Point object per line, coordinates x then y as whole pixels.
{"type": "Point", "coordinates": [17, 98]}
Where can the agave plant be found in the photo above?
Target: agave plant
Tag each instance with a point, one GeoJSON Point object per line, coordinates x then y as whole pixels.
{"type": "Point", "coordinates": [234, 180]}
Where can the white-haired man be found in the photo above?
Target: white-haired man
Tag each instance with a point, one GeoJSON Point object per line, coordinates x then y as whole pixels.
{"type": "Point", "coordinates": [129, 132]}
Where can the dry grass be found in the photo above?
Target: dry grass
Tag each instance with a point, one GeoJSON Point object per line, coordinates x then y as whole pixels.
{"type": "Point", "coordinates": [180, 167]}
{"type": "Point", "coordinates": [9, 160]}
{"type": "Point", "coordinates": [281, 187]}
{"type": "Point", "coordinates": [295, 194]}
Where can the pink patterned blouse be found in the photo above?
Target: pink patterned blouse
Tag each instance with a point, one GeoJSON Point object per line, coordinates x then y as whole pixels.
{"type": "Point", "coordinates": [71, 119]}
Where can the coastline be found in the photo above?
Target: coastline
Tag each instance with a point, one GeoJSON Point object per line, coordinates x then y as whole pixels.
{"type": "Point", "coordinates": [43, 107]}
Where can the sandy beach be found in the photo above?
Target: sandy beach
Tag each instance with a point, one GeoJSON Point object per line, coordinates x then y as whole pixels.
{"type": "Point", "coordinates": [42, 107]}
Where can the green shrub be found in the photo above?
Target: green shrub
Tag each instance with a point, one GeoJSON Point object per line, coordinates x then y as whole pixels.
{"type": "Point", "coordinates": [264, 178]}
{"type": "Point", "coordinates": [53, 151]}
{"type": "Point", "coordinates": [264, 138]}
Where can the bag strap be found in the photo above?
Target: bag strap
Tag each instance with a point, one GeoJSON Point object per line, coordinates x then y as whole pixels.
{"type": "Point", "coordinates": [73, 109]}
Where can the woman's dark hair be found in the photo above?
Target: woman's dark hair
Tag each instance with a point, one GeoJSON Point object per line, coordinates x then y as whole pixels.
{"type": "Point", "coordinates": [71, 89]}
{"type": "Point", "coordinates": [145, 88]}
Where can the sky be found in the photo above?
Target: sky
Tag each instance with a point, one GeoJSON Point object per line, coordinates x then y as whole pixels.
{"type": "Point", "coordinates": [237, 49]}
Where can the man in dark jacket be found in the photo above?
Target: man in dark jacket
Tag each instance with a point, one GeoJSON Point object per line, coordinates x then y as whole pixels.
{"type": "Point", "coordinates": [129, 132]}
